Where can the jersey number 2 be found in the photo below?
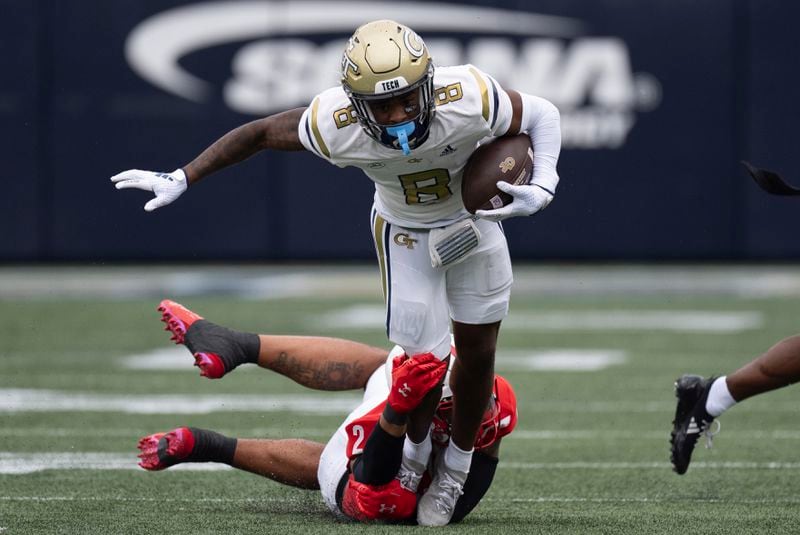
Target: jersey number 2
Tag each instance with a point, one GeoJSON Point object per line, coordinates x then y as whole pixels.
{"type": "Point", "coordinates": [426, 186]}
{"type": "Point", "coordinates": [358, 443]}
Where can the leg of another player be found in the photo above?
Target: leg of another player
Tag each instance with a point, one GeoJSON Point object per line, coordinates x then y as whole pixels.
{"type": "Point", "coordinates": [289, 461]}
{"type": "Point", "coordinates": [702, 400]}
{"type": "Point", "coordinates": [320, 363]}
{"type": "Point", "coordinates": [293, 462]}
{"type": "Point", "coordinates": [778, 367]}
{"type": "Point", "coordinates": [316, 362]}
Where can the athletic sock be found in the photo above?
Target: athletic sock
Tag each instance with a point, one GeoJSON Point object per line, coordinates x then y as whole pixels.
{"type": "Point", "coordinates": [719, 397]}
{"type": "Point", "coordinates": [232, 347]}
{"type": "Point", "coordinates": [457, 459]}
{"type": "Point", "coordinates": [418, 453]}
{"type": "Point", "coordinates": [211, 447]}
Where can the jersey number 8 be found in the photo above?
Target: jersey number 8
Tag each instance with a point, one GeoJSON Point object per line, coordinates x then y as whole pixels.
{"type": "Point", "coordinates": [426, 186]}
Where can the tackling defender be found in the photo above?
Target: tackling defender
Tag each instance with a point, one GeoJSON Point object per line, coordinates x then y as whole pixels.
{"type": "Point", "coordinates": [356, 471]}
{"type": "Point", "coordinates": [411, 129]}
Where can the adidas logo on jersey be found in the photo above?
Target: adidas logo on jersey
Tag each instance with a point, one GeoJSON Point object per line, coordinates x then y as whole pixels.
{"type": "Point", "coordinates": [447, 150]}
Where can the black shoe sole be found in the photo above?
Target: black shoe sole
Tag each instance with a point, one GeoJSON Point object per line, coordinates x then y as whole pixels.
{"type": "Point", "coordinates": [688, 390]}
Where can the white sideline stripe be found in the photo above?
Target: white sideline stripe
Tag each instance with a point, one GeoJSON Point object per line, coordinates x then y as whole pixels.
{"type": "Point", "coordinates": [568, 406]}
{"type": "Point", "coordinates": [537, 499]}
{"type": "Point", "coordinates": [294, 432]}
{"type": "Point", "coordinates": [544, 434]}
{"type": "Point", "coordinates": [172, 358]}
{"type": "Point", "coordinates": [643, 499]}
{"type": "Point", "coordinates": [140, 499]}
{"type": "Point", "coordinates": [178, 358]}
{"type": "Point", "coordinates": [27, 463]}
{"type": "Point", "coordinates": [578, 360]}
{"type": "Point", "coordinates": [373, 317]}
{"type": "Point", "coordinates": [740, 465]}
{"type": "Point", "coordinates": [29, 400]}
{"type": "Point", "coordinates": [267, 432]}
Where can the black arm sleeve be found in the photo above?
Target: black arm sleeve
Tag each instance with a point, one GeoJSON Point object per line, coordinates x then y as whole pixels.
{"type": "Point", "coordinates": [481, 474]}
{"type": "Point", "coordinates": [381, 459]}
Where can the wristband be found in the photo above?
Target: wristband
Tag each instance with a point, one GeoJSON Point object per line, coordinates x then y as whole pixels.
{"type": "Point", "coordinates": [394, 417]}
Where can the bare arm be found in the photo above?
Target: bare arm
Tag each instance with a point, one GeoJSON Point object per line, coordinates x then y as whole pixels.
{"type": "Point", "coordinates": [277, 132]}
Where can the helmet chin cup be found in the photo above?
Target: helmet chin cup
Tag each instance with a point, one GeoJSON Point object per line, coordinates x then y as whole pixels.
{"type": "Point", "coordinates": [401, 132]}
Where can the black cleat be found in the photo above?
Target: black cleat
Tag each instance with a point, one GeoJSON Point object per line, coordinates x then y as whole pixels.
{"type": "Point", "coordinates": [691, 419]}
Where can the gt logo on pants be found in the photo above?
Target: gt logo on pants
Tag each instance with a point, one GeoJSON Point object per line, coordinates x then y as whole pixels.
{"type": "Point", "coordinates": [405, 240]}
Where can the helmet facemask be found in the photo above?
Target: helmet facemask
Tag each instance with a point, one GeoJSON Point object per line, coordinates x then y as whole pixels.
{"type": "Point", "coordinates": [386, 60]}
{"type": "Point", "coordinates": [415, 130]}
{"type": "Point", "coordinates": [487, 432]}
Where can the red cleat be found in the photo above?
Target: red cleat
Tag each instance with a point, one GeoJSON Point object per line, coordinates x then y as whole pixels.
{"type": "Point", "coordinates": [178, 319]}
{"type": "Point", "coordinates": [162, 450]}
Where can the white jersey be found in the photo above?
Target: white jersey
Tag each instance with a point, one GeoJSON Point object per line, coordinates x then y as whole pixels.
{"type": "Point", "coordinates": [423, 189]}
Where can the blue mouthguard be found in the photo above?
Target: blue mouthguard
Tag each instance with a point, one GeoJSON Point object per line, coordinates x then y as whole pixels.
{"type": "Point", "coordinates": [401, 132]}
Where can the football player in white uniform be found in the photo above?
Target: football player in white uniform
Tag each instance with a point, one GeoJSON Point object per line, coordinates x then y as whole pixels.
{"type": "Point", "coordinates": [411, 128]}
{"type": "Point", "coordinates": [357, 471]}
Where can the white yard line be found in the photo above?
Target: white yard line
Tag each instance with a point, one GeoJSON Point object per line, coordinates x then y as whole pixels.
{"type": "Point", "coordinates": [27, 463]}
{"type": "Point", "coordinates": [534, 499]}
{"type": "Point", "coordinates": [266, 432]}
{"type": "Point", "coordinates": [698, 465]}
{"type": "Point", "coordinates": [29, 400]}
{"type": "Point", "coordinates": [644, 499]}
{"type": "Point", "coordinates": [138, 499]}
{"type": "Point", "coordinates": [294, 432]}
{"type": "Point", "coordinates": [578, 360]}
{"type": "Point", "coordinates": [169, 358]}
{"type": "Point", "coordinates": [568, 360]}
{"type": "Point", "coordinates": [17, 400]}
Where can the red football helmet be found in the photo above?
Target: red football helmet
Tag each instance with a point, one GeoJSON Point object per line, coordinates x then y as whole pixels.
{"type": "Point", "coordinates": [499, 419]}
{"type": "Point", "coordinates": [487, 432]}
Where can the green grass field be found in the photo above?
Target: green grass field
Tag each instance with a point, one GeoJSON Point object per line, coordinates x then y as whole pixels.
{"type": "Point", "coordinates": [590, 454]}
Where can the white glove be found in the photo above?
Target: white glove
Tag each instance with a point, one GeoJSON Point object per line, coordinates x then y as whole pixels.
{"type": "Point", "coordinates": [528, 199]}
{"type": "Point", "coordinates": [166, 186]}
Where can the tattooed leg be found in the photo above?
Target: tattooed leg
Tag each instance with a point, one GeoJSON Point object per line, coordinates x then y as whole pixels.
{"type": "Point", "coordinates": [320, 363]}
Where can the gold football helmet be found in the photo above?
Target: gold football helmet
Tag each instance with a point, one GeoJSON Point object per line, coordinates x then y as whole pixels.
{"type": "Point", "coordinates": [383, 60]}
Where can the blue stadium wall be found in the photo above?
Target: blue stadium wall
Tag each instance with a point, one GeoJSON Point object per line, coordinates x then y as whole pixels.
{"type": "Point", "coordinates": [659, 102]}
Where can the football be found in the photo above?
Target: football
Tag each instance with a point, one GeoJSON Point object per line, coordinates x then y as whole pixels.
{"type": "Point", "coordinates": [509, 159]}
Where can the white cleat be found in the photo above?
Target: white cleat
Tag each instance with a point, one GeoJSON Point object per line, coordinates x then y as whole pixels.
{"type": "Point", "coordinates": [410, 474]}
{"type": "Point", "coordinates": [437, 505]}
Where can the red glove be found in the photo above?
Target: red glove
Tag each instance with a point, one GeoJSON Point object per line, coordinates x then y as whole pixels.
{"type": "Point", "coordinates": [385, 502]}
{"type": "Point", "coordinates": [412, 378]}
